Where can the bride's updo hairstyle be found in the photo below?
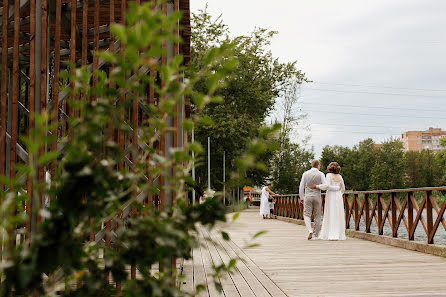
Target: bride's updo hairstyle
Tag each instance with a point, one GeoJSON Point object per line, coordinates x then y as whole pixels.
{"type": "Point", "coordinates": [333, 167]}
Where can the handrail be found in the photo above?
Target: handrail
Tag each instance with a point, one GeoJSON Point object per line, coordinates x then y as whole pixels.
{"type": "Point", "coordinates": [364, 208]}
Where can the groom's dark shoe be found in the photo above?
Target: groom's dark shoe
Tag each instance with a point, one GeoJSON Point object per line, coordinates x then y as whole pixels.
{"type": "Point", "coordinates": [310, 235]}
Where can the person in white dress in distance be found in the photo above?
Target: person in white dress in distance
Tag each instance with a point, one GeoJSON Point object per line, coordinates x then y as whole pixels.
{"type": "Point", "coordinates": [264, 201]}
{"type": "Point", "coordinates": [333, 224]}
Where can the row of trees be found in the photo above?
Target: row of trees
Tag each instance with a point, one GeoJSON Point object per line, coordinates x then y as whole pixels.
{"type": "Point", "coordinates": [248, 97]}
{"type": "Point", "coordinates": [368, 166]}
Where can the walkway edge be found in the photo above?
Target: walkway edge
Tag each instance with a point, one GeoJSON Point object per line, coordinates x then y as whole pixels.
{"type": "Point", "coordinates": [432, 249]}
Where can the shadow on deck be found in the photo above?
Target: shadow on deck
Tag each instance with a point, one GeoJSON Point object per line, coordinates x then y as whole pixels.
{"type": "Point", "coordinates": [287, 264]}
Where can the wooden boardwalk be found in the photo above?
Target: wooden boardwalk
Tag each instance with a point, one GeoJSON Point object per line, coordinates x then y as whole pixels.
{"type": "Point", "coordinates": [287, 264]}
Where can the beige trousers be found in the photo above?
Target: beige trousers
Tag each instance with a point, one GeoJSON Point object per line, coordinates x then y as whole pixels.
{"type": "Point", "coordinates": [313, 205]}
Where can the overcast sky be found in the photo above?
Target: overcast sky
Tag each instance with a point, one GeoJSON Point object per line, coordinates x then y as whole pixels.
{"type": "Point", "coordinates": [378, 67]}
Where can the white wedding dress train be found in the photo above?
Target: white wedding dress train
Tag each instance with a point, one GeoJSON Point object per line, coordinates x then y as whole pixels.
{"type": "Point", "coordinates": [333, 224]}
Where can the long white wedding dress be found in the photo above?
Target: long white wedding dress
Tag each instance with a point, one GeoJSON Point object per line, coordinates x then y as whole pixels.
{"type": "Point", "coordinates": [264, 205]}
{"type": "Point", "coordinates": [333, 224]}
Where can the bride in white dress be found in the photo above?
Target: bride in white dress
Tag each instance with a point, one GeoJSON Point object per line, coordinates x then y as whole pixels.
{"type": "Point", "coordinates": [333, 224]}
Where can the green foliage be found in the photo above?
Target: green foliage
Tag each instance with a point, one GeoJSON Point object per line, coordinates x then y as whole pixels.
{"type": "Point", "coordinates": [87, 189]}
{"type": "Point", "coordinates": [389, 168]}
{"type": "Point", "coordinates": [356, 163]}
{"type": "Point", "coordinates": [376, 167]}
{"type": "Point", "coordinates": [248, 95]}
{"type": "Point", "coordinates": [289, 165]}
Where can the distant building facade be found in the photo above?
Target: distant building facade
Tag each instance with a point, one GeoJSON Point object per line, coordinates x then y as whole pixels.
{"type": "Point", "coordinates": [419, 140]}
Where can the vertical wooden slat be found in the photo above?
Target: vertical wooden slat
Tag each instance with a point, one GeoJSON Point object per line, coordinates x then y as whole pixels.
{"type": "Point", "coordinates": [430, 222]}
{"type": "Point", "coordinates": [4, 88]}
{"type": "Point", "coordinates": [163, 137]}
{"type": "Point", "coordinates": [410, 214]}
{"type": "Point", "coordinates": [150, 100]}
{"type": "Point", "coordinates": [380, 214]}
{"type": "Point", "coordinates": [43, 84]}
{"type": "Point", "coordinates": [301, 210]}
{"type": "Point", "coordinates": [95, 44]}
{"type": "Point", "coordinates": [121, 140]}
{"type": "Point", "coordinates": [394, 214]}
{"type": "Point", "coordinates": [120, 133]}
{"type": "Point", "coordinates": [92, 234]}
{"type": "Point", "coordinates": [15, 89]}
{"type": "Point", "coordinates": [72, 53]}
{"type": "Point", "coordinates": [32, 86]}
{"type": "Point", "coordinates": [44, 67]}
{"type": "Point", "coordinates": [176, 108]}
{"type": "Point", "coordinates": [134, 120]}
{"type": "Point", "coordinates": [368, 218]}
{"type": "Point", "coordinates": [356, 216]}
{"type": "Point", "coordinates": [347, 211]}
{"type": "Point", "coordinates": [84, 32]}
{"type": "Point", "coordinates": [55, 99]}
{"type": "Point", "coordinates": [84, 46]}
{"type": "Point", "coordinates": [111, 47]}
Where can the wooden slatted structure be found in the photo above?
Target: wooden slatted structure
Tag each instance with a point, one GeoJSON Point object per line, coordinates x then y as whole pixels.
{"type": "Point", "coordinates": [38, 40]}
{"type": "Point", "coordinates": [402, 210]}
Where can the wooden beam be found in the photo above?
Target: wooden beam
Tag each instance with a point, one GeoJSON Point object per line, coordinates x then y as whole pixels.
{"type": "Point", "coordinates": [95, 45]}
{"type": "Point", "coordinates": [4, 92]}
{"type": "Point", "coordinates": [55, 94]}
{"type": "Point", "coordinates": [15, 89]}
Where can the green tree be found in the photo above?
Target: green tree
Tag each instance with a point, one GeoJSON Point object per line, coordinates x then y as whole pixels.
{"type": "Point", "coordinates": [344, 157]}
{"type": "Point", "coordinates": [414, 176]}
{"type": "Point", "coordinates": [388, 171]}
{"type": "Point", "coordinates": [292, 159]}
{"type": "Point", "coordinates": [88, 190]}
{"type": "Point", "coordinates": [441, 161]}
{"type": "Point", "coordinates": [249, 93]}
{"type": "Point", "coordinates": [424, 169]}
{"type": "Point", "coordinates": [363, 159]}
{"type": "Point", "coordinates": [289, 165]}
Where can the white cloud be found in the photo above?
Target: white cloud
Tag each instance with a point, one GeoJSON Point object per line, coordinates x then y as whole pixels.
{"type": "Point", "coordinates": [373, 44]}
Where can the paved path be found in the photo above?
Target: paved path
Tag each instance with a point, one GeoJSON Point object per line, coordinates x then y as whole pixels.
{"type": "Point", "coordinates": [287, 264]}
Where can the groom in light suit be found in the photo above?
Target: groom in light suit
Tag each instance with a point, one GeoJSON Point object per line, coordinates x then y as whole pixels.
{"type": "Point", "coordinates": [311, 198]}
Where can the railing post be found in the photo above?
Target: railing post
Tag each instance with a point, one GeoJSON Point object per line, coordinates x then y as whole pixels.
{"type": "Point", "coordinates": [293, 207]}
{"type": "Point", "coordinates": [301, 207]}
{"type": "Point", "coordinates": [410, 215]}
{"type": "Point", "coordinates": [296, 200]}
{"type": "Point", "coordinates": [347, 211]}
{"type": "Point", "coordinates": [430, 221]}
{"type": "Point", "coordinates": [296, 207]}
{"type": "Point", "coordinates": [367, 213]}
{"type": "Point", "coordinates": [282, 204]}
{"type": "Point", "coordinates": [394, 214]}
{"type": "Point", "coordinates": [357, 217]}
{"type": "Point", "coordinates": [380, 213]}
{"type": "Point", "coordinates": [323, 204]}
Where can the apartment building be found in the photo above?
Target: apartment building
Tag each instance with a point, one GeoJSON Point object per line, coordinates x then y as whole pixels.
{"type": "Point", "coordinates": [419, 140]}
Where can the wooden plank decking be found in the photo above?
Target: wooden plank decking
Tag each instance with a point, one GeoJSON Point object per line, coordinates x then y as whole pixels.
{"type": "Point", "coordinates": [287, 264]}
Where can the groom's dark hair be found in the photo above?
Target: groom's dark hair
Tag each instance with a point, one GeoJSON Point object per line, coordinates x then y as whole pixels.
{"type": "Point", "coordinates": [315, 163]}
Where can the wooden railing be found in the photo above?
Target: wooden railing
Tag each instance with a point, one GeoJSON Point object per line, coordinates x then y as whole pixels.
{"type": "Point", "coordinates": [398, 213]}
